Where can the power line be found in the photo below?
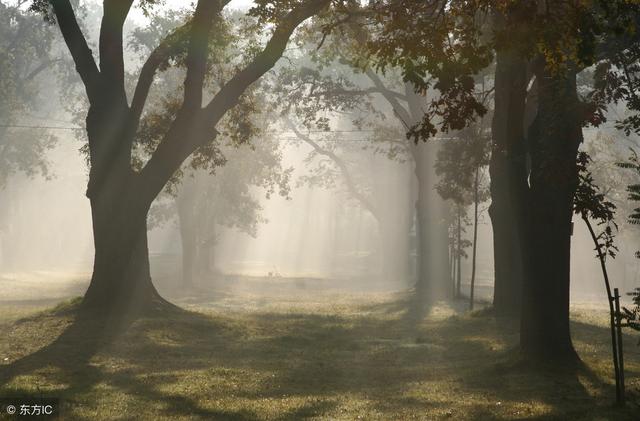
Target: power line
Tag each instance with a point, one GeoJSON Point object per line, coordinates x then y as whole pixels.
{"type": "Point", "coordinates": [22, 126]}
{"type": "Point", "coordinates": [289, 139]}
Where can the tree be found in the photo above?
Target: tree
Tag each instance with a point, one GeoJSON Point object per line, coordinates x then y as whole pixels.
{"type": "Point", "coordinates": [120, 196]}
{"type": "Point", "coordinates": [437, 58]}
{"type": "Point", "coordinates": [461, 164]}
{"type": "Point", "coordinates": [508, 167]}
{"type": "Point", "coordinates": [29, 63]}
{"type": "Point", "coordinates": [211, 190]}
{"type": "Point", "coordinates": [378, 90]}
{"type": "Point", "coordinates": [195, 202]}
{"type": "Point", "coordinates": [555, 41]}
{"type": "Point", "coordinates": [350, 165]}
{"type": "Point", "coordinates": [592, 205]}
{"type": "Point", "coordinates": [581, 35]}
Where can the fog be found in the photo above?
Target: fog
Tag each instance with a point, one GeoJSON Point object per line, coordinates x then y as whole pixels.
{"type": "Point", "coordinates": [352, 222]}
{"type": "Point", "coordinates": [319, 209]}
{"type": "Point", "coordinates": [316, 232]}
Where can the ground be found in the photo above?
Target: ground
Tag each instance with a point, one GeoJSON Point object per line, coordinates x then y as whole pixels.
{"type": "Point", "coordinates": [301, 350]}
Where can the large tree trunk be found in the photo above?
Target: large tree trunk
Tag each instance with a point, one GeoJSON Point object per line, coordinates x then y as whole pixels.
{"type": "Point", "coordinates": [509, 187]}
{"type": "Point", "coordinates": [554, 139]}
{"type": "Point", "coordinates": [121, 278]}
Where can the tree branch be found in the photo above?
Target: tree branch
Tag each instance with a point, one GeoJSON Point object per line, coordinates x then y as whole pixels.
{"type": "Point", "coordinates": [111, 44]}
{"type": "Point", "coordinates": [193, 128]}
{"type": "Point", "coordinates": [77, 44]}
{"type": "Point", "coordinates": [344, 170]}
{"type": "Point", "coordinates": [197, 52]}
{"type": "Point", "coordinates": [229, 94]}
{"type": "Point", "coordinates": [354, 92]}
{"type": "Point", "coordinates": [401, 113]}
{"type": "Point", "coordinates": [168, 46]}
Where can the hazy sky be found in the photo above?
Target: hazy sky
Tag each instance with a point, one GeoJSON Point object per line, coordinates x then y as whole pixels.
{"type": "Point", "coordinates": [177, 4]}
{"type": "Point", "coordinates": [235, 4]}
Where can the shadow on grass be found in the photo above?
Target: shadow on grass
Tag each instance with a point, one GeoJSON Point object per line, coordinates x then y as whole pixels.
{"type": "Point", "coordinates": [241, 366]}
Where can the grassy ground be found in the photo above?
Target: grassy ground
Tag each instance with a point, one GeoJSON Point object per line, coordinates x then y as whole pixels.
{"type": "Point", "coordinates": [285, 356]}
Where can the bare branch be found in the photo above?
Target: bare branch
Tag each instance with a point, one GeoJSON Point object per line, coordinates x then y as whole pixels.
{"type": "Point", "coordinates": [344, 170]}
{"type": "Point", "coordinates": [400, 112]}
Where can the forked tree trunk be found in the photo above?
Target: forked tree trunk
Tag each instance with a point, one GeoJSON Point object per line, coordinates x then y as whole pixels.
{"type": "Point", "coordinates": [555, 136]}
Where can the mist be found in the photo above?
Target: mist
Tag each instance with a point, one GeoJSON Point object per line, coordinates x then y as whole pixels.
{"type": "Point", "coordinates": [316, 232]}
{"type": "Point", "coordinates": [319, 210]}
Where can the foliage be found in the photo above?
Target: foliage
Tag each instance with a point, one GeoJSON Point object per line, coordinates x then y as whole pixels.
{"type": "Point", "coordinates": [608, 151]}
{"type": "Point", "coordinates": [226, 197]}
{"type": "Point", "coordinates": [28, 63]}
{"type": "Point", "coordinates": [633, 189]}
{"type": "Point", "coordinates": [615, 77]}
{"type": "Point", "coordinates": [458, 251]}
{"type": "Point", "coordinates": [591, 204]}
{"type": "Point", "coordinates": [633, 316]}
{"type": "Point", "coordinates": [458, 161]}
{"type": "Point", "coordinates": [437, 45]}
{"type": "Point", "coordinates": [242, 155]}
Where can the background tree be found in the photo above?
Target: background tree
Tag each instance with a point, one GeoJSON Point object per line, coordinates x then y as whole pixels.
{"type": "Point", "coordinates": [194, 203]}
{"type": "Point", "coordinates": [383, 90]}
{"type": "Point", "coordinates": [30, 65]}
{"type": "Point", "coordinates": [350, 165]}
{"type": "Point", "coordinates": [461, 166]}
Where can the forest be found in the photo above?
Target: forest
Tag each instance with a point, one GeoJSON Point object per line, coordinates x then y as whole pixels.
{"type": "Point", "coordinates": [320, 209]}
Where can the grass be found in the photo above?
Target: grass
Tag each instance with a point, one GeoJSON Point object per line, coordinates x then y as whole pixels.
{"type": "Point", "coordinates": [337, 357]}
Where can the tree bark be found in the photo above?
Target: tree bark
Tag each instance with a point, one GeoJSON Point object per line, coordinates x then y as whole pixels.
{"type": "Point", "coordinates": [509, 187]}
{"type": "Point", "coordinates": [121, 280]}
{"type": "Point", "coordinates": [554, 139]}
